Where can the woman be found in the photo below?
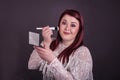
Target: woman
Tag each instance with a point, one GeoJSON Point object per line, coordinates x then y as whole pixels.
{"type": "Point", "coordinates": [65, 58]}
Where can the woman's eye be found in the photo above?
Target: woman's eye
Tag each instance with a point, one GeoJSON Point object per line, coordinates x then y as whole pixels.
{"type": "Point", "coordinates": [63, 23]}
{"type": "Point", "coordinates": [73, 25]}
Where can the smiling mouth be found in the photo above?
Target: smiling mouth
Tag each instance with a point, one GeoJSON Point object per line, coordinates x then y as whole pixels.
{"type": "Point", "coordinates": [67, 33]}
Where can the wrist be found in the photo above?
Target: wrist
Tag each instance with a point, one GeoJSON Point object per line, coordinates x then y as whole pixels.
{"type": "Point", "coordinates": [52, 58]}
{"type": "Point", "coordinates": [46, 45]}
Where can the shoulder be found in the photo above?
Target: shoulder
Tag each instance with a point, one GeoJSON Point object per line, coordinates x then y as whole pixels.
{"type": "Point", "coordinates": [82, 48]}
{"type": "Point", "coordinates": [83, 53]}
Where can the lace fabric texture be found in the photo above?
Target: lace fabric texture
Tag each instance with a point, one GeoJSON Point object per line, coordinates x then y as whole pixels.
{"type": "Point", "coordinates": [79, 66]}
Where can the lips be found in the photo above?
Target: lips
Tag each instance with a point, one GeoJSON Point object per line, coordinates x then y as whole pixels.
{"type": "Point", "coordinates": [67, 33]}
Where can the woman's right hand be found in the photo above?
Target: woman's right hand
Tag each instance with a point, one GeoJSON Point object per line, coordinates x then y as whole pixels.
{"type": "Point", "coordinates": [47, 33]}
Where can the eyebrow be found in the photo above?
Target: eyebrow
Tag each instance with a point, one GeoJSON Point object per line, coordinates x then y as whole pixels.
{"type": "Point", "coordinates": [71, 22]}
{"type": "Point", "coordinates": [74, 23]}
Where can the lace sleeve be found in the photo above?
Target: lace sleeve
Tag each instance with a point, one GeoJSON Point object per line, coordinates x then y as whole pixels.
{"type": "Point", "coordinates": [59, 72]}
{"type": "Point", "coordinates": [34, 60]}
{"type": "Point", "coordinates": [79, 66]}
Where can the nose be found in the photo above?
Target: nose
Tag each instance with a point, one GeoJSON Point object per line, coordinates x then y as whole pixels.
{"type": "Point", "coordinates": [67, 27]}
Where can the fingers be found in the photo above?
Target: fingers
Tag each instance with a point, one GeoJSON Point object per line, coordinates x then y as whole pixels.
{"type": "Point", "coordinates": [46, 31]}
{"type": "Point", "coordinates": [45, 54]}
{"type": "Point", "coordinates": [39, 49]}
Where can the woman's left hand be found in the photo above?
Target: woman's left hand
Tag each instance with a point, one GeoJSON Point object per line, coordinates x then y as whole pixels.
{"type": "Point", "coordinates": [45, 53]}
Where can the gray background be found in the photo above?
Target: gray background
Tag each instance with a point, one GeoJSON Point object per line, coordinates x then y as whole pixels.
{"type": "Point", "coordinates": [17, 18]}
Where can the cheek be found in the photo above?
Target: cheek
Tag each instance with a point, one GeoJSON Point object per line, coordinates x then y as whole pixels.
{"type": "Point", "coordinates": [61, 28]}
{"type": "Point", "coordinates": [75, 31]}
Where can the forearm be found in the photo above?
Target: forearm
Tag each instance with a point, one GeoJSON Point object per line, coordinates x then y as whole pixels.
{"type": "Point", "coordinates": [34, 60]}
{"type": "Point", "coordinates": [59, 72]}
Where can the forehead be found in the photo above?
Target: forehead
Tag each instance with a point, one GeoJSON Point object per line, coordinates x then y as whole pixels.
{"type": "Point", "coordinates": [69, 18]}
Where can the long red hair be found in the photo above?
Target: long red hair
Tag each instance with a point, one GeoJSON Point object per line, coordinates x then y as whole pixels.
{"type": "Point", "coordinates": [64, 55]}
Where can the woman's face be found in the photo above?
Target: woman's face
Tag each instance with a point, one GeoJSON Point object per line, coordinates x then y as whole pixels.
{"type": "Point", "coordinates": [69, 27]}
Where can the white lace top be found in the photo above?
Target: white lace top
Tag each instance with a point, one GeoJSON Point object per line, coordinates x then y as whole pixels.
{"type": "Point", "coordinates": [79, 66]}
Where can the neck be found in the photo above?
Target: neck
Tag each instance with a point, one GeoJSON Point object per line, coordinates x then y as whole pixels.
{"type": "Point", "coordinates": [67, 43]}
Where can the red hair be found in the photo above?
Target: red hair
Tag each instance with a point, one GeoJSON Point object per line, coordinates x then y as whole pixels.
{"type": "Point", "coordinates": [64, 55]}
